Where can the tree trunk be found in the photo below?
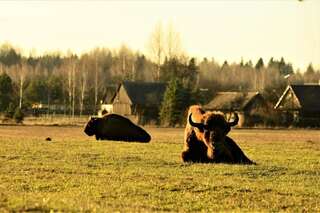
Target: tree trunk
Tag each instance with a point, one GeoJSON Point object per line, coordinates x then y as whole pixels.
{"type": "Point", "coordinates": [73, 89]}
{"type": "Point", "coordinates": [21, 90]}
{"type": "Point", "coordinates": [83, 89]}
{"type": "Point", "coordinates": [48, 111]}
{"type": "Point", "coordinates": [96, 87]}
{"type": "Point", "coordinates": [70, 89]}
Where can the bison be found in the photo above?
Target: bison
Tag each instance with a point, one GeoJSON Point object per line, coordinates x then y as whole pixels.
{"type": "Point", "coordinates": [115, 127]}
{"type": "Point", "coordinates": [206, 140]}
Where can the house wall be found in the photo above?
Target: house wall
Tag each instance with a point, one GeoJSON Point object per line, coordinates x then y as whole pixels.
{"type": "Point", "coordinates": [242, 119]}
{"type": "Point", "coordinates": [241, 115]}
{"type": "Point", "coordinates": [307, 118]}
{"type": "Point", "coordinates": [105, 107]}
{"type": "Point", "coordinates": [141, 114]}
{"type": "Point", "coordinates": [289, 102]}
{"type": "Point", "coordinates": [294, 114]}
{"type": "Point", "coordinates": [256, 111]}
{"type": "Point", "coordinates": [122, 103]}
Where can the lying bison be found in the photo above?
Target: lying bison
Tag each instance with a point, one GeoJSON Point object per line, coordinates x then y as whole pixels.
{"type": "Point", "coordinates": [117, 128]}
{"type": "Point", "coordinates": [205, 138]}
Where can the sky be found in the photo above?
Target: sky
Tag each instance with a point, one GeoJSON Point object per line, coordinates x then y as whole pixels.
{"type": "Point", "coordinates": [224, 30]}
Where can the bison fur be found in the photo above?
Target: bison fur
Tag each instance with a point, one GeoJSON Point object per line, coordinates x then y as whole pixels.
{"type": "Point", "coordinates": [206, 140]}
{"type": "Point", "coordinates": [117, 128]}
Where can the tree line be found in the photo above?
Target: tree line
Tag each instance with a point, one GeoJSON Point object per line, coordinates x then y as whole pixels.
{"type": "Point", "coordinates": [79, 82]}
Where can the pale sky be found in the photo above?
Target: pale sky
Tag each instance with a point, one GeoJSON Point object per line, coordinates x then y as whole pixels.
{"type": "Point", "coordinates": [226, 30]}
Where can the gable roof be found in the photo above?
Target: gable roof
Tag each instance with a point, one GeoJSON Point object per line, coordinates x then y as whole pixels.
{"type": "Point", "coordinates": [144, 93]}
{"type": "Point", "coordinates": [109, 93]}
{"type": "Point", "coordinates": [308, 96]}
{"type": "Point", "coordinates": [232, 100]}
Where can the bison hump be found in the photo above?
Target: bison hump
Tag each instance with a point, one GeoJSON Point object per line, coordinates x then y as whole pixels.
{"type": "Point", "coordinates": [119, 128]}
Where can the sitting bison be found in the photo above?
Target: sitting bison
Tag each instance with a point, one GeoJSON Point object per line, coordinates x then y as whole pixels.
{"type": "Point", "coordinates": [205, 139]}
{"type": "Point", "coordinates": [117, 128]}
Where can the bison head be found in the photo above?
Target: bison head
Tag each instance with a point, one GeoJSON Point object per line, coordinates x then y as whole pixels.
{"type": "Point", "coordinates": [213, 127]}
{"type": "Point", "coordinates": [90, 127]}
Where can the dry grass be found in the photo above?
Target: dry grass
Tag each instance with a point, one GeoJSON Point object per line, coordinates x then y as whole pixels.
{"type": "Point", "coordinates": [75, 173]}
{"type": "Point", "coordinates": [56, 120]}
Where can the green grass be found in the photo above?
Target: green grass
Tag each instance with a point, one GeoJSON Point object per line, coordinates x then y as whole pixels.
{"type": "Point", "coordinates": [75, 173]}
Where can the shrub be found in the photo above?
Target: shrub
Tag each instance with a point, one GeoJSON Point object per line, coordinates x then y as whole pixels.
{"type": "Point", "coordinates": [18, 115]}
{"type": "Point", "coordinates": [9, 111]}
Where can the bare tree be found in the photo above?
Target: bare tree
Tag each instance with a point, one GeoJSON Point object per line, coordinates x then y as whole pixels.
{"type": "Point", "coordinates": [70, 87]}
{"type": "Point", "coordinates": [83, 83]}
{"type": "Point", "coordinates": [96, 84]}
{"type": "Point", "coordinates": [19, 74]}
{"type": "Point", "coordinates": [22, 77]}
{"type": "Point", "coordinates": [157, 47]}
{"type": "Point", "coordinates": [73, 87]}
{"type": "Point", "coordinates": [173, 47]}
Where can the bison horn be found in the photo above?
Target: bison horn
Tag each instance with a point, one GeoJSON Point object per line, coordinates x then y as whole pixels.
{"type": "Point", "coordinates": [235, 121]}
{"type": "Point", "coordinates": [198, 125]}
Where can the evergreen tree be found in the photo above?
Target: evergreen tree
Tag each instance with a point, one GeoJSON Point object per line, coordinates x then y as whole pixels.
{"type": "Point", "coordinates": [176, 100]}
{"type": "Point", "coordinates": [287, 69]}
{"type": "Point", "coordinates": [140, 64]}
{"type": "Point", "coordinates": [10, 111]}
{"type": "Point", "coordinates": [36, 91]}
{"type": "Point", "coordinates": [310, 70]}
{"type": "Point", "coordinates": [18, 115]}
{"type": "Point", "coordinates": [6, 91]}
{"type": "Point", "coordinates": [170, 69]}
{"type": "Point", "coordinates": [271, 63]}
{"type": "Point", "coordinates": [249, 64]}
{"type": "Point", "coordinates": [55, 89]}
{"type": "Point", "coordinates": [282, 66]}
{"type": "Point", "coordinates": [225, 65]}
{"type": "Point", "coordinates": [190, 76]}
{"type": "Point", "coordinates": [8, 55]}
{"type": "Point", "coordinates": [310, 75]}
{"type": "Point", "coordinates": [50, 61]}
{"type": "Point", "coordinates": [259, 64]}
{"type": "Point", "coordinates": [241, 63]}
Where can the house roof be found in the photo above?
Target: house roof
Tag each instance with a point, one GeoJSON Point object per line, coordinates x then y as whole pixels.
{"type": "Point", "coordinates": [109, 93]}
{"type": "Point", "coordinates": [307, 95]}
{"type": "Point", "coordinates": [144, 93]}
{"type": "Point", "coordinates": [231, 100]}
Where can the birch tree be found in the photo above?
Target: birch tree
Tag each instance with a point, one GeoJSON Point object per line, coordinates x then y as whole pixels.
{"type": "Point", "coordinates": [73, 87]}
{"type": "Point", "coordinates": [70, 87]}
{"type": "Point", "coordinates": [22, 77]}
{"type": "Point", "coordinates": [157, 46]}
{"type": "Point", "coordinates": [96, 84]}
{"type": "Point", "coordinates": [173, 48]}
{"type": "Point", "coordinates": [18, 74]}
{"type": "Point", "coordinates": [83, 84]}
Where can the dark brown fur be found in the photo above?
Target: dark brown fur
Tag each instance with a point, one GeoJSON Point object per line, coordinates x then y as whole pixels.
{"type": "Point", "coordinates": [115, 127]}
{"type": "Point", "coordinates": [210, 144]}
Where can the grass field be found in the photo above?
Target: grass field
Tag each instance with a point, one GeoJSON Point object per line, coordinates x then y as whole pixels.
{"type": "Point", "coordinates": [75, 173]}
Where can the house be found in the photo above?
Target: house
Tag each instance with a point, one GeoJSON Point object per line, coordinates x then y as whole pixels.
{"type": "Point", "coordinates": [106, 103]}
{"type": "Point", "coordinates": [250, 106]}
{"type": "Point", "coordinates": [139, 101]}
{"type": "Point", "coordinates": [301, 104]}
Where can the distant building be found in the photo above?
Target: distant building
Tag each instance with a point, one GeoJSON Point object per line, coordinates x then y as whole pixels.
{"type": "Point", "coordinates": [40, 108]}
{"type": "Point", "coordinates": [140, 101]}
{"type": "Point", "coordinates": [249, 105]}
{"type": "Point", "coordinates": [301, 104]}
{"type": "Point", "coordinates": [106, 104]}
